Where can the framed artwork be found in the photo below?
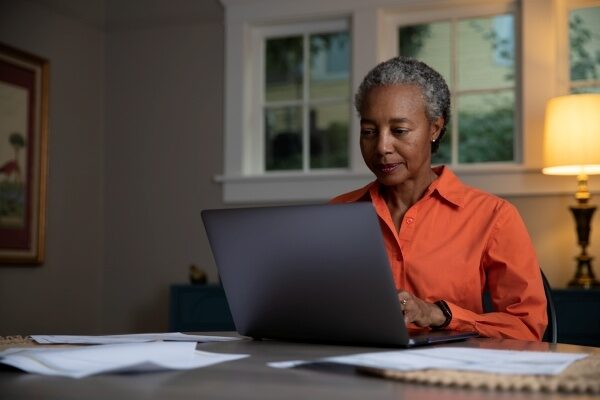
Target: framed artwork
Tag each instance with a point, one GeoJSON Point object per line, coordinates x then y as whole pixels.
{"type": "Point", "coordinates": [23, 152]}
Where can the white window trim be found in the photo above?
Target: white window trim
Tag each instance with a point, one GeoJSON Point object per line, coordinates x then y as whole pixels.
{"type": "Point", "coordinates": [565, 84]}
{"type": "Point", "coordinates": [544, 75]}
{"type": "Point", "coordinates": [391, 21]}
{"type": "Point", "coordinates": [256, 154]}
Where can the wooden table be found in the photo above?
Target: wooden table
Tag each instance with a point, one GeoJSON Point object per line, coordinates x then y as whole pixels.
{"type": "Point", "coordinates": [251, 378]}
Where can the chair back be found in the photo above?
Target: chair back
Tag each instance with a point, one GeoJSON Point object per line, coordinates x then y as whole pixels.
{"type": "Point", "coordinates": [551, 333]}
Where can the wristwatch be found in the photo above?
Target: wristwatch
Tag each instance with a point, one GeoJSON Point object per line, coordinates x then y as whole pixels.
{"type": "Point", "coordinates": [447, 313]}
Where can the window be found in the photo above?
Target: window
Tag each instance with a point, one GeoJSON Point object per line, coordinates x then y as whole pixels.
{"type": "Point", "coordinates": [306, 97]}
{"type": "Point", "coordinates": [278, 126]}
{"type": "Point", "coordinates": [476, 56]}
{"type": "Point", "coordinates": [302, 92]}
{"type": "Point", "coordinates": [584, 50]}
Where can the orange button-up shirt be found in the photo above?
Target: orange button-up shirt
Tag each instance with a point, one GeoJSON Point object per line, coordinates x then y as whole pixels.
{"type": "Point", "coordinates": [456, 241]}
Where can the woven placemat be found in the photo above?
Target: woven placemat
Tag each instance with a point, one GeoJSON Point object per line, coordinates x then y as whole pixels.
{"type": "Point", "coordinates": [583, 377]}
{"type": "Point", "coordinates": [15, 341]}
{"type": "Point", "coordinates": [7, 342]}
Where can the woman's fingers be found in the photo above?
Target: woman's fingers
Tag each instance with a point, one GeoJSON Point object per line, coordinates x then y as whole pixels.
{"type": "Point", "coordinates": [403, 297]}
{"type": "Point", "coordinates": [415, 310]}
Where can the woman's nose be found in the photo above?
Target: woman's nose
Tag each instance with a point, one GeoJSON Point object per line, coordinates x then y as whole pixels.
{"type": "Point", "coordinates": [384, 143]}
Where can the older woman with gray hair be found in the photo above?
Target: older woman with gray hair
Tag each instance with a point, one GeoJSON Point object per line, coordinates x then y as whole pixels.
{"type": "Point", "coordinates": [446, 242]}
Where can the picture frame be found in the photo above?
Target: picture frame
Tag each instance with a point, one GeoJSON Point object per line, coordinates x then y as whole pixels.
{"type": "Point", "coordinates": [23, 155]}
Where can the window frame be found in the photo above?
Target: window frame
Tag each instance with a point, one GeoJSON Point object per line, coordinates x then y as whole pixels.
{"type": "Point", "coordinates": [395, 20]}
{"type": "Point", "coordinates": [566, 46]}
{"type": "Point", "coordinates": [257, 131]}
{"type": "Point", "coordinates": [542, 73]}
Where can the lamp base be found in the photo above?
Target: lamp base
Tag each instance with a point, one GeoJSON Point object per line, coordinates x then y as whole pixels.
{"type": "Point", "coordinates": [584, 276]}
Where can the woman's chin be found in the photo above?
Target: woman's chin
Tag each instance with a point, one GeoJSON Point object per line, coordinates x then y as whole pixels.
{"type": "Point", "coordinates": [390, 179]}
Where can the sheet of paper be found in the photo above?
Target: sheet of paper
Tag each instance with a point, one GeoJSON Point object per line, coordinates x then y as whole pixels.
{"type": "Point", "coordinates": [79, 362]}
{"type": "Point", "coordinates": [133, 338]}
{"type": "Point", "coordinates": [457, 358]}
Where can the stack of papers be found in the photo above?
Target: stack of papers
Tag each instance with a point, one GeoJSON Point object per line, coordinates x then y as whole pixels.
{"type": "Point", "coordinates": [79, 362]}
{"type": "Point", "coordinates": [456, 358]}
{"type": "Point", "coordinates": [134, 338]}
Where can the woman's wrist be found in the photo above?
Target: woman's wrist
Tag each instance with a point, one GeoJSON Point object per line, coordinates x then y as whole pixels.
{"type": "Point", "coordinates": [443, 315]}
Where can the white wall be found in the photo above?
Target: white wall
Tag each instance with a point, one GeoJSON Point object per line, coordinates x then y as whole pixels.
{"type": "Point", "coordinates": [164, 145]}
{"type": "Point", "coordinates": [136, 122]}
{"type": "Point", "coordinates": [552, 230]}
{"type": "Point", "coordinates": [63, 294]}
{"type": "Point", "coordinates": [135, 139]}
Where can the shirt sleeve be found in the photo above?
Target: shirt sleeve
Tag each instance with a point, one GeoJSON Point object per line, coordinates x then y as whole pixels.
{"type": "Point", "coordinates": [514, 281]}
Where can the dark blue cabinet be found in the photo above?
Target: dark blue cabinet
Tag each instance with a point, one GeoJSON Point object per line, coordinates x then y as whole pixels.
{"type": "Point", "coordinates": [195, 308]}
{"type": "Point", "coordinates": [578, 316]}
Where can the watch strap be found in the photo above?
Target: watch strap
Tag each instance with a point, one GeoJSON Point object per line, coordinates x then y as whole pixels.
{"type": "Point", "coordinates": [447, 313]}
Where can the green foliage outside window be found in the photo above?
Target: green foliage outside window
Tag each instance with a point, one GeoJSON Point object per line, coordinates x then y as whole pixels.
{"type": "Point", "coordinates": [311, 108]}
{"type": "Point", "coordinates": [584, 45]}
{"type": "Point", "coordinates": [479, 69]}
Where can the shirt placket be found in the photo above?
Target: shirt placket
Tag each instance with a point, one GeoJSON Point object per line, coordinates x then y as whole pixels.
{"type": "Point", "coordinates": [391, 233]}
{"type": "Point", "coordinates": [409, 223]}
{"type": "Point", "coordinates": [405, 237]}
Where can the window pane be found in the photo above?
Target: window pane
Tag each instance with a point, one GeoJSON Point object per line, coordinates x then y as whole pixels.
{"type": "Point", "coordinates": [330, 65]}
{"type": "Point", "coordinates": [329, 135]}
{"type": "Point", "coordinates": [429, 43]}
{"type": "Point", "coordinates": [283, 147]}
{"type": "Point", "coordinates": [584, 38]}
{"type": "Point", "coordinates": [485, 52]}
{"type": "Point", "coordinates": [486, 125]}
{"type": "Point", "coordinates": [283, 71]}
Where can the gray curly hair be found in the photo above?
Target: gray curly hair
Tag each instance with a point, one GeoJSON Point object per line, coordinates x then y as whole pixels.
{"type": "Point", "coordinates": [409, 71]}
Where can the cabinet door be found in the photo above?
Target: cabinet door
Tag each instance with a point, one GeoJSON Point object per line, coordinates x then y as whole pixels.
{"type": "Point", "coordinates": [196, 308]}
{"type": "Point", "coordinates": [578, 316]}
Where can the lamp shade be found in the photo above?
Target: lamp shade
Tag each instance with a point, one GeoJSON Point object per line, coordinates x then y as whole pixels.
{"type": "Point", "coordinates": [572, 135]}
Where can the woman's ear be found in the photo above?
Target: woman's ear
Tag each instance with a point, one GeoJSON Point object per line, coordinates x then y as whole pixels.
{"type": "Point", "coordinates": [436, 128]}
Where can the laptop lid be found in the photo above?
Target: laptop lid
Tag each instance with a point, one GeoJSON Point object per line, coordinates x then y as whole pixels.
{"type": "Point", "coordinates": [308, 273]}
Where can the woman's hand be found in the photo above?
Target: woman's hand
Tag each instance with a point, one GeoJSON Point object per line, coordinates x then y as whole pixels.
{"type": "Point", "coordinates": [419, 312]}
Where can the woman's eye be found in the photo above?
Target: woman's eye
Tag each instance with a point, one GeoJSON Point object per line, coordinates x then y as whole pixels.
{"type": "Point", "coordinates": [399, 131]}
{"type": "Point", "coordinates": [367, 132]}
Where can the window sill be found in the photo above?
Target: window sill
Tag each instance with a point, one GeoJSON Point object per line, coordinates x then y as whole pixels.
{"type": "Point", "coordinates": [289, 187]}
{"type": "Point", "coordinates": [505, 181]}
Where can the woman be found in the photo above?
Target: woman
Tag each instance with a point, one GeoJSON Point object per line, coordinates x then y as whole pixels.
{"type": "Point", "coordinates": [446, 242]}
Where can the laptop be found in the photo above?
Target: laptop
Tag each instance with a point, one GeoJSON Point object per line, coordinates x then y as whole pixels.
{"type": "Point", "coordinates": [310, 273]}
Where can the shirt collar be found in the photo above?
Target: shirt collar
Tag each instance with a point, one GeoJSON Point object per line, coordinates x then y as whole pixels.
{"type": "Point", "coordinates": [447, 185]}
{"type": "Point", "coordinates": [359, 194]}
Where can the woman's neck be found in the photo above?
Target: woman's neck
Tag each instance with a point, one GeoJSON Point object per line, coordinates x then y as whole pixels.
{"type": "Point", "coordinates": [401, 197]}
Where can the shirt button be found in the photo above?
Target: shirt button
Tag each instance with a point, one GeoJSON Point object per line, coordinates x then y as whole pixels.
{"type": "Point", "coordinates": [410, 220]}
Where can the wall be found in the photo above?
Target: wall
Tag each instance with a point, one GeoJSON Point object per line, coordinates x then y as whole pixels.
{"type": "Point", "coordinates": [63, 294]}
{"type": "Point", "coordinates": [135, 141]}
{"type": "Point", "coordinates": [164, 145]}
{"type": "Point", "coordinates": [552, 230]}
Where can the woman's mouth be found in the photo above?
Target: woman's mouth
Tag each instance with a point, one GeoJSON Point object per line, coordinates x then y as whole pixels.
{"type": "Point", "coordinates": [388, 168]}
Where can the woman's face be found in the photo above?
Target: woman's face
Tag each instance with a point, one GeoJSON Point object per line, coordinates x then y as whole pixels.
{"type": "Point", "coordinates": [396, 135]}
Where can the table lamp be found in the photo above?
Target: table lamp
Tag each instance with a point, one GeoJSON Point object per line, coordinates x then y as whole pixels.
{"type": "Point", "coordinates": [572, 147]}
